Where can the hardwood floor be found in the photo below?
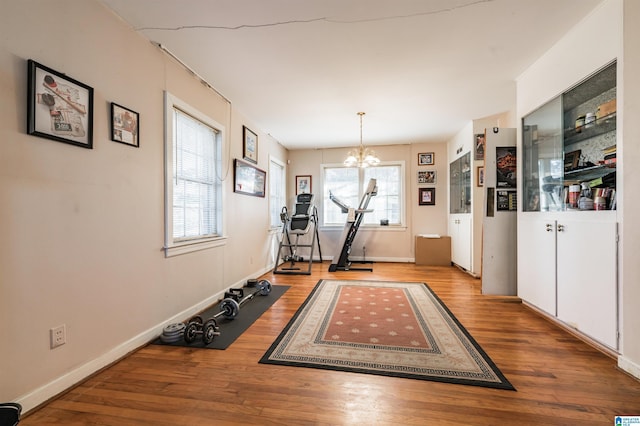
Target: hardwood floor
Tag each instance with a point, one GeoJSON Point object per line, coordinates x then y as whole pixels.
{"type": "Point", "coordinates": [559, 379]}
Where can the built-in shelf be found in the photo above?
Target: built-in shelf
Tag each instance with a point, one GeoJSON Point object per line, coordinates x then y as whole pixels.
{"type": "Point", "coordinates": [599, 127]}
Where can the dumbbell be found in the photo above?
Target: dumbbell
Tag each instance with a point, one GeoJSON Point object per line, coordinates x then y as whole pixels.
{"type": "Point", "coordinates": [196, 327]}
{"type": "Point", "coordinates": [230, 306]}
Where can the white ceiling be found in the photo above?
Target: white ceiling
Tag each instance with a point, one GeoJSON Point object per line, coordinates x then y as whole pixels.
{"type": "Point", "coordinates": [300, 70]}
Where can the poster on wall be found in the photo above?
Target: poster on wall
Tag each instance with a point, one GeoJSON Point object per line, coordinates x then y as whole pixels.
{"type": "Point", "coordinates": [479, 144]}
{"type": "Point", "coordinates": [507, 201]}
{"type": "Point", "coordinates": [506, 167]}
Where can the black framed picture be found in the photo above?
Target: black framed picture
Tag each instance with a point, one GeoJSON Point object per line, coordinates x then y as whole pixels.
{"type": "Point", "coordinates": [250, 145]}
{"type": "Point", "coordinates": [59, 107]}
{"type": "Point", "coordinates": [303, 184]}
{"type": "Point", "coordinates": [426, 196]}
{"type": "Point", "coordinates": [248, 179]}
{"type": "Point", "coordinates": [125, 125]}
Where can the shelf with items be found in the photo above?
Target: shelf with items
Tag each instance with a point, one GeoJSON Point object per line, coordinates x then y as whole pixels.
{"type": "Point", "coordinates": [558, 155]}
{"type": "Point", "coordinates": [586, 131]}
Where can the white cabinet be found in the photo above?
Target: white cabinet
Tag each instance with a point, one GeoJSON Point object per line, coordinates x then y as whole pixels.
{"type": "Point", "coordinates": [567, 267]}
{"type": "Point", "coordinates": [587, 279]}
{"type": "Point", "coordinates": [460, 232]}
{"type": "Point", "coordinates": [537, 261]}
{"type": "Point", "coordinates": [567, 251]}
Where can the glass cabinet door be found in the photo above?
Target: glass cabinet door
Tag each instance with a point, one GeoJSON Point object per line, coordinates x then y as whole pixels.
{"type": "Point", "coordinates": [460, 185]}
{"type": "Point", "coordinates": [543, 158]}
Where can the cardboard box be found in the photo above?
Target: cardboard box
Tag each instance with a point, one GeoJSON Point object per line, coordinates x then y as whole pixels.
{"type": "Point", "coordinates": [606, 108]}
{"type": "Point", "coordinates": [433, 251]}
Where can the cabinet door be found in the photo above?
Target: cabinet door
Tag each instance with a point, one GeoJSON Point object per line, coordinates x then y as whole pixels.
{"type": "Point", "coordinates": [537, 261]}
{"type": "Point", "coordinates": [460, 230]}
{"type": "Point", "coordinates": [587, 278]}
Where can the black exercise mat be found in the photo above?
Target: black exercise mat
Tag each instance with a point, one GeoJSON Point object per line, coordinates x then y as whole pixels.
{"type": "Point", "coordinates": [231, 329]}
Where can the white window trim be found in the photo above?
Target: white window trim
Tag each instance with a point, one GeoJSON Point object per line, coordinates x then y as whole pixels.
{"type": "Point", "coordinates": [377, 227]}
{"type": "Point", "coordinates": [171, 247]}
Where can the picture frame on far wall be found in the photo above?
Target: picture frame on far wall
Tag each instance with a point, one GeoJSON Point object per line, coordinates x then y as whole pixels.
{"type": "Point", "coordinates": [426, 196]}
{"type": "Point", "coordinates": [249, 145]}
{"type": "Point", "coordinates": [125, 125]}
{"type": "Point", "coordinates": [58, 107]}
{"type": "Point", "coordinates": [303, 184]}
{"type": "Point", "coordinates": [480, 176]}
{"type": "Point", "coordinates": [427, 177]}
{"type": "Point", "coordinates": [426, 159]}
{"type": "Point", "coordinates": [248, 179]}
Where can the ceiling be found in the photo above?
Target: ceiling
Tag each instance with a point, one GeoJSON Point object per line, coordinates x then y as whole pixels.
{"type": "Point", "coordinates": [301, 70]}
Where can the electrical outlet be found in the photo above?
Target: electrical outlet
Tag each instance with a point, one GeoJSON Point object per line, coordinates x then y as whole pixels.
{"type": "Point", "coordinates": [58, 336]}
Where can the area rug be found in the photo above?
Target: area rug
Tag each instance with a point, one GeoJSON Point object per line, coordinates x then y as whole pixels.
{"type": "Point", "coordinates": [395, 329]}
{"type": "Point", "coordinates": [231, 329]}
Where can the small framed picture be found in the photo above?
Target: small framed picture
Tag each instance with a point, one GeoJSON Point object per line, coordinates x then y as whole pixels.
{"type": "Point", "coordinates": [303, 184]}
{"type": "Point", "coordinates": [125, 125]}
{"type": "Point", "coordinates": [59, 107]}
{"type": "Point", "coordinates": [426, 177]}
{"type": "Point", "coordinates": [480, 176]}
{"type": "Point", "coordinates": [479, 151]}
{"type": "Point", "coordinates": [426, 159]}
{"type": "Point", "coordinates": [249, 145]}
{"type": "Point", "coordinates": [426, 196]}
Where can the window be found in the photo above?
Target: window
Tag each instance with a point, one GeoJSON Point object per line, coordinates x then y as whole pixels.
{"type": "Point", "coordinates": [193, 203]}
{"type": "Point", "coordinates": [348, 184]}
{"type": "Point", "coordinates": [277, 191]}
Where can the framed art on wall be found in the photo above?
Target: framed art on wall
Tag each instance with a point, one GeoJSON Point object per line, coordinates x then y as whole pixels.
{"type": "Point", "coordinates": [480, 176]}
{"type": "Point", "coordinates": [303, 184]}
{"type": "Point", "coordinates": [426, 159]}
{"type": "Point", "coordinates": [248, 179]}
{"type": "Point", "coordinates": [125, 125]}
{"type": "Point", "coordinates": [426, 196]}
{"type": "Point", "coordinates": [426, 177]}
{"type": "Point", "coordinates": [59, 107]}
{"type": "Point", "coordinates": [249, 145]}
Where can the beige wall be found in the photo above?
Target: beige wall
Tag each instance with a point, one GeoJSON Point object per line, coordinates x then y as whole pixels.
{"type": "Point", "coordinates": [382, 243]}
{"type": "Point", "coordinates": [82, 230]}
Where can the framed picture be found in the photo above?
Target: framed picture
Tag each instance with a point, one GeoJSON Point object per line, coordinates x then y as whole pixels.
{"type": "Point", "coordinates": [303, 184]}
{"type": "Point", "coordinates": [249, 145]}
{"type": "Point", "coordinates": [479, 151]}
{"type": "Point", "coordinates": [426, 177]}
{"type": "Point", "coordinates": [125, 125]}
{"type": "Point", "coordinates": [59, 107]}
{"type": "Point", "coordinates": [248, 179]}
{"type": "Point", "coordinates": [426, 159]}
{"type": "Point", "coordinates": [480, 176]}
{"type": "Point", "coordinates": [426, 196]}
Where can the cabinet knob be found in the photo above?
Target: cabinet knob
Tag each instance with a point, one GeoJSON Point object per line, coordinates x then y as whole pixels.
{"type": "Point", "coordinates": [549, 227]}
{"type": "Point", "coordinates": [560, 228]}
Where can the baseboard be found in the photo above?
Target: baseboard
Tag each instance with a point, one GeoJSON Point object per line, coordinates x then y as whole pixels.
{"type": "Point", "coordinates": [575, 333]}
{"type": "Point", "coordinates": [51, 390]}
{"type": "Point", "coordinates": [629, 366]}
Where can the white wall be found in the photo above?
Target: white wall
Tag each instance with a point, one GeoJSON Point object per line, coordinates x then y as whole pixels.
{"type": "Point", "coordinates": [82, 230]}
{"type": "Point", "coordinates": [630, 176]}
{"type": "Point", "coordinates": [572, 59]}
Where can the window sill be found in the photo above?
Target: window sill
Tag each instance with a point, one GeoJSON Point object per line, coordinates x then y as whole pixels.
{"type": "Point", "coordinates": [192, 246]}
{"type": "Point", "coordinates": [366, 228]}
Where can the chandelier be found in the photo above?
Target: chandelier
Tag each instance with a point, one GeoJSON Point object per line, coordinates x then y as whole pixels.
{"type": "Point", "coordinates": [361, 156]}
